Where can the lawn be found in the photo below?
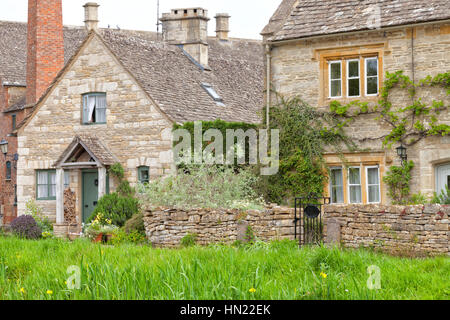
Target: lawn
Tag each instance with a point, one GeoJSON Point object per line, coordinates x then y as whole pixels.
{"type": "Point", "coordinates": [279, 270]}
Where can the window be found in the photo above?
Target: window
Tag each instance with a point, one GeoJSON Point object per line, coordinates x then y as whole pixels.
{"type": "Point", "coordinates": [144, 174]}
{"type": "Point", "coordinates": [371, 76]}
{"type": "Point", "coordinates": [8, 170]}
{"type": "Point", "coordinates": [354, 185]}
{"type": "Point", "coordinates": [336, 185]}
{"type": "Point", "coordinates": [373, 184]}
{"type": "Point", "coordinates": [14, 120]}
{"type": "Point", "coordinates": [353, 83]}
{"type": "Point", "coordinates": [335, 79]}
{"type": "Point", "coordinates": [46, 185]}
{"type": "Point", "coordinates": [94, 108]}
{"type": "Point", "coordinates": [210, 90]}
{"type": "Point", "coordinates": [66, 180]}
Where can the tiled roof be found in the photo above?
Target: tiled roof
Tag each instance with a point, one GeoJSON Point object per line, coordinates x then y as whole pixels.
{"type": "Point", "coordinates": [13, 50]}
{"type": "Point", "coordinates": [279, 17]}
{"type": "Point", "coordinates": [169, 76]}
{"type": "Point", "coordinates": [312, 17]}
{"type": "Point", "coordinates": [92, 145]}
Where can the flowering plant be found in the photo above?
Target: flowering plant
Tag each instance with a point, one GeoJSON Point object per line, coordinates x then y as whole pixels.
{"type": "Point", "coordinates": [100, 225]}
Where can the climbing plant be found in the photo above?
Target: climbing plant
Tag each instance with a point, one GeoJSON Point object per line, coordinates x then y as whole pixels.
{"type": "Point", "coordinates": [304, 134]}
{"type": "Point", "coordinates": [409, 124]}
{"type": "Point", "coordinates": [397, 180]}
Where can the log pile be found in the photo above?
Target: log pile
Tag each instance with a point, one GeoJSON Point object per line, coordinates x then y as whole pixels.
{"type": "Point", "coordinates": [70, 215]}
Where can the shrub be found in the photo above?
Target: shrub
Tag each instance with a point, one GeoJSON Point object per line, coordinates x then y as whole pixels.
{"type": "Point", "coordinates": [135, 224]}
{"type": "Point", "coordinates": [121, 237]}
{"type": "Point", "coordinates": [189, 240]}
{"type": "Point", "coordinates": [205, 186]}
{"type": "Point", "coordinates": [398, 182]}
{"type": "Point", "coordinates": [42, 221]}
{"type": "Point", "coordinates": [116, 208]}
{"type": "Point", "coordinates": [443, 198]}
{"type": "Point", "coordinates": [26, 227]}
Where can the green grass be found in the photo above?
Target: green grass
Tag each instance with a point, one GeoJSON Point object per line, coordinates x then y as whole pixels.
{"type": "Point", "coordinates": [279, 270]}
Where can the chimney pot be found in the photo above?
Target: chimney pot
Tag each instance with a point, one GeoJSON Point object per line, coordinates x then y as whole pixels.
{"type": "Point", "coordinates": [222, 26]}
{"type": "Point", "coordinates": [91, 16]}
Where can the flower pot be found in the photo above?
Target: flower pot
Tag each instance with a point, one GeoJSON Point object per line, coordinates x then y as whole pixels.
{"type": "Point", "coordinates": [99, 238]}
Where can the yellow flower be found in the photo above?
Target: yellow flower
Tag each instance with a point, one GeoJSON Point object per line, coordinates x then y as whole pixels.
{"type": "Point", "coordinates": [22, 290]}
{"type": "Point", "coordinates": [252, 290]}
{"type": "Point", "coordinates": [323, 275]}
{"type": "Point", "coordinates": [49, 292]}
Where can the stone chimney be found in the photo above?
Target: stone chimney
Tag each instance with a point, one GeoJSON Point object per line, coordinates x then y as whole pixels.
{"type": "Point", "coordinates": [188, 28]}
{"type": "Point", "coordinates": [91, 16]}
{"type": "Point", "coordinates": [222, 26]}
{"type": "Point", "coordinates": [45, 46]}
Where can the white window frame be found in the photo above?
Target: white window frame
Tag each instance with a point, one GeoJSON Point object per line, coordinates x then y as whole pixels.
{"type": "Point", "coordinates": [343, 185]}
{"type": "Point", "coordinates": [352, 185]}
{"type": "Point", "coordinates": [353, 78]}
{"type": "Point", "coordinates": [379, 184]}
{"type": "Point", "coordinates": [329, 78]}
{"type": "Point", "coordinates": [377, 76]}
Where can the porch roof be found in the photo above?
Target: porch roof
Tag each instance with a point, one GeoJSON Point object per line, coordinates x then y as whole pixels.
{"type": "Point", "coordinates": [93, 146]}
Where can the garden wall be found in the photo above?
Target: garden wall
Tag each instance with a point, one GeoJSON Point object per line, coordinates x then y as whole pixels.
{"type": "Point", "coordinates": [422, 229]}
{"type": "Point", "coordinates": [166, 227]}
{"type": "Point", "coordinates": [416, 230]}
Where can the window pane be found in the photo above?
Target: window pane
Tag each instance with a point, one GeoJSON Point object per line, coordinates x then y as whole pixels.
{"type": "Point", "coordinates": [66, 179]}
{"type": "Point", "coordinates": [43, 177]}
{"type": "Point", "coordinates": [354, 176]}
{"type": "Point", "coordinates": [372, 176]}
{"type": "Point", "coordinates": [52, 184]}
{"type": "Point", "coordinates": [372, 85]}
{"type": "Point", "coordinates": [336, 177]}
{"type": "Point", "coordinates": [355, 194]}
{"type": "Point", "coordinates": [335, 71]}
{"type": "Point", "coordinates": [42, 191]}
{"type": "Point", "coordinates": [8, 170]}
{"type": "Point", "coordinates": [374, 194]}
{"type": "Point", "coordinates": [353, 87]}
{"type": "Point", "coordinates": [353, 69]}
{"type": "Point", "coordinates": [372, 67]}
{"type": "Point", "coordinates": [337, 195]}
{"type": "Point", "coordinates": [336, 88]}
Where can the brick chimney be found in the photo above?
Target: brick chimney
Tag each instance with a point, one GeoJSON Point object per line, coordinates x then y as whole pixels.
{"type": "Point", "coordinates": [188, 28]}
{"type": "Point", "coordinates": [45, 47]}
{"type": "Point", "coordinates": [222, 26]}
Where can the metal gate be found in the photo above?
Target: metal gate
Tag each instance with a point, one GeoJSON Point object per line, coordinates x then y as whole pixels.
{"type": "Point", "coordinates": [308, 219]}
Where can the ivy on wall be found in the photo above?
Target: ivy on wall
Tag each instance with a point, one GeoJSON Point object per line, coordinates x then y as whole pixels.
{"type": "Point", "coordinates": [410, 124]}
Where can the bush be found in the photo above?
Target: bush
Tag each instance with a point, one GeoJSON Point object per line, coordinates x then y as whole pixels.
{"type": "Point", "coordinates": [116, 208]}
{"type": "Point", "coordinates": [42, 221]}
{"type": "Point", "coordinates": [122, 237]}
{"type": "Point", "coordinates": [26, 227]}
{"type": "Point", "coordinates": [189, 240]}
{"type": "Point", "coordinates": [135, 224]}
{"type": "Point", "coordinates": [205, 186]}
{"type": "Point", "coordinates": [443, 198]}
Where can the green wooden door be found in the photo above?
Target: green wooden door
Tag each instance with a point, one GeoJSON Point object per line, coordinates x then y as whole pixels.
{"type": "Point", "coordinates": [90, 193]}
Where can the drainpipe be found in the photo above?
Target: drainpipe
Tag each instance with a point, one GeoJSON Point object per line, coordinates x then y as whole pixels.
{"type": "Point", "coordinates": [268, 65]}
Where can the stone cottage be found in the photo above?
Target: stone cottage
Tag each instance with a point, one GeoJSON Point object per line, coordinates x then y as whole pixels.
{"type": "Point", "coordinates": [324, 51]}
{"type": "Point", "coordinates": [93, 97]}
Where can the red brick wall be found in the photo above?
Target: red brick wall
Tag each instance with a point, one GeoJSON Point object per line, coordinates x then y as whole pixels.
{"type": "Point", "coordinates": [45, 46]}
{"type": "Point", "coordinates": [7, 194]}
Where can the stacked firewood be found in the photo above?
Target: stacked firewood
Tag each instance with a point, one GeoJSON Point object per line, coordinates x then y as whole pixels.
{"type": "Point", "coordinates": [70, 215]}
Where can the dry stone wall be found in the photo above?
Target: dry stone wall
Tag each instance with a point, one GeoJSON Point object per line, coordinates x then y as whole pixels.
{"type": "Point", "coordinates": [166, 227]}
{"type": "Point", "coordinates": [422, 229]}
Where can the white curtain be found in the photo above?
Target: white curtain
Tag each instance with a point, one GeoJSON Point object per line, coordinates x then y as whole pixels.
{"type": "Point", "coordinates": [373, 181]}
{"type": "Point", "coordinates": [100, 110]}
{"type": "Point", "coordinates": [42, 184]}
{"type": "Point", "coordinates": [91, 107]}
{"type": "Point", "coordinates": [355, 185]}
{"type": "Point", "coordinates": [337, 186]}
{"type": "Point", "coordinates": [53, 184]}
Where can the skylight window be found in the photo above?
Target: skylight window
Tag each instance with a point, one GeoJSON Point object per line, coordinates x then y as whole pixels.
{"type": "Point", "coordinates": [210, 90]}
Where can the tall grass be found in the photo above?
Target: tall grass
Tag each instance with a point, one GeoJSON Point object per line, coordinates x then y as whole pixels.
{"type": "Point", "coordinates": [279, 270]}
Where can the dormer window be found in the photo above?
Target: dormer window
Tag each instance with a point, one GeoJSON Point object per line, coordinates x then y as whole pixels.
{"type": "Point", "coordinates": [94, 108]}
{"type": "Point", "coordinates": [210, 90]}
